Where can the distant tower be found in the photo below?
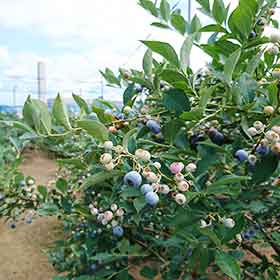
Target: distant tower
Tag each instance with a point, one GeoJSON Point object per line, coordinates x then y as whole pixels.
{"type": "Point", "coordinates": [42, 81]}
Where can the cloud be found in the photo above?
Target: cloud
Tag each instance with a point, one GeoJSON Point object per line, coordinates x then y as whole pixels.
{"type": "Point", "coordinates": [81, 38]}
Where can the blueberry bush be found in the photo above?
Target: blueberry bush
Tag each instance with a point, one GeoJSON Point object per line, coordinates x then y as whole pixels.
{"type": "Point", "coordinates": [182, 181]}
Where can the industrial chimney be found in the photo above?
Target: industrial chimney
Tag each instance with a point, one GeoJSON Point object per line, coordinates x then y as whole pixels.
{"type": "Point", "coordinates": [42, 81]}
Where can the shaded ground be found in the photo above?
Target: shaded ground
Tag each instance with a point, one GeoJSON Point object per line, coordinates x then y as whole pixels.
{"type": "Point", "coordinates": [21, 250]}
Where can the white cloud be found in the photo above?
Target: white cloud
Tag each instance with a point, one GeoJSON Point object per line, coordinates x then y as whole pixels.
{"type": "Point", "coordinates": [94, 33]}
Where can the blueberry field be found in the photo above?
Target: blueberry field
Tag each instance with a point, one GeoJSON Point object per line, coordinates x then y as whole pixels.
{"type": "Point", "coordinates": [180, 182]}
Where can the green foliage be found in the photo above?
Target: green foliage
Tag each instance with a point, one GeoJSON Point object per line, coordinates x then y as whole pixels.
{"type": "Point", "coordinates": [216, 123]}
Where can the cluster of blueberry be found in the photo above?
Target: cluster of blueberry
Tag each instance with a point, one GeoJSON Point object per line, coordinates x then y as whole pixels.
{"type": "Point", "coordinates": [110, 218]}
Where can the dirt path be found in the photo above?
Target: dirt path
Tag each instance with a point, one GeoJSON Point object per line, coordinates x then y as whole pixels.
{"type": "Point", "coordinates": [21, 250]}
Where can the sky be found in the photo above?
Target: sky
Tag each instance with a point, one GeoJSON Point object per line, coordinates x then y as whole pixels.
{"type": "Point", "coordinates": [75, 39]}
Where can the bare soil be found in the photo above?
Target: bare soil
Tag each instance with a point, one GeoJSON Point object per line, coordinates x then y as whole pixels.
{"type": "Point", "coordinates": [22, 254]}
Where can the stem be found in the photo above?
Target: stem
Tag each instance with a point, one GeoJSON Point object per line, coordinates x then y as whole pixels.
{"type": "Point", "coordinates": [152, 251]}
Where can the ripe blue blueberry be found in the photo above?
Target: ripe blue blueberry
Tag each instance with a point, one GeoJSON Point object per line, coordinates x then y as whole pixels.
{"type": "Point", "coordinates": [253, 35]}
{"type": "Point", "coordinates": [120, 116]}
{"type": "Point", "coordinates": [93, 267]}
{"type": "Point", "coordinates": [241, 155]}
{"type": "Point", "coordinates": [216, 136]}
{"type": "Point", "coordinates": [118, 231]}
{"type": "Point", "coordinates": [262, 150]}
{"type": "Point", "coordinates": [133, 179]}
{"type": "Point", "coordinates": [195, 139]}
{"type": "Point", "coordinates": [139, 89]}
{"type": "Point", "coordinates": [252, 232]}
{"type": "Point", "coordinates": [146, 188]}
{"type": "Point", "coordinates": [152, 198]}
{"type": "Point", "coordinates": [13, 226]}
{"type": "Point", "coordinates": [153, 126]}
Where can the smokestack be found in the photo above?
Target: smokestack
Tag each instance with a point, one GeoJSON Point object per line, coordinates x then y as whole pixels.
{"type": "Point", "coordinates": [42, 81]}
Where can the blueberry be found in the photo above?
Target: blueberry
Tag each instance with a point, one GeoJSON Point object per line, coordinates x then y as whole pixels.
{"type": "Point", "coordinates": [253, 35]}
{"type": "Point", "coordinates": [262, 150]}
{"type": "Point", "coordinates": [195, 139]}
{"type": "Point", "coordinates": [139, 89]}
{"type": "Point", "coordinates": [133, 179]}
{"type": "Point", "coordinates": [251, 232]}
{"type": "Point", "coordinates": [120, 116]}
{"type": "Point", "coordinates": [216, 136]}
{"type": "Point", "coordinates": [146, 188]}
{"type": "Point", "coordinates": [241, 155]}
{"type": "Point", "coordinates": [153, 126]}
{"type": "Point", "coordinates": [246, 235]}
{"type": "Point", "coordinates": [118, 231]}
{"type": "Point", "coordinates": [93, 267]}
{"type": "Point", "coordinates": [13, 226]}
{"type": "Point", "coordinates": [152, 198]}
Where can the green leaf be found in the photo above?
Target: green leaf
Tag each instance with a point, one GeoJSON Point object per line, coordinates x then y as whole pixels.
{"type": "Point", "coordinates": [171, 129]}
{"type": "Point", "coordinates": [213, 28]}
{"type": "Point", "coordinates": [130, 192]}
{"type": "Point", "coordinates": [60, 114]}
{"type": "Point", "coordinates": [110, 77]}
{"type": "Point", "coordinates": [175, 78]}
{"type": "Point", "coordinates": [127, 139]}
{"type": "Point", "coordinates": [211, 234]}
{"type": "Point", "coordinates": [228, 265]}
{"type": "Point", "coordinates": [165, 10]}
{"type": "Point", "coordinates": [229, 179]}
{"type": "Point", "coordinates": [149, 6]}
{"type": "Point", "coordinates": [254, 62]}
{"type": "Point", "coordinates": [94, 128]}
{"type": "Point", "coordinates": [81, 103]}
{"type": "Point", "coordinates": [18, 125]}
{"type": "Point", "coordinates": [195, 27]}
{"type": "Point", "coordinates": [99, 178]}
{"type": "Point", "coordinates": [160, 25]}
{"type": "Point", "coordinates": [128, 95]}
{"type": "Point", "coordinates": [245, 14]}
{"type": "Point", "coordinates": [43, 191]}
{"type": "Point", "coordinates": [205, 95]}
{"type": "Point", "coordinates": [179, 23]}
{"type": "Point", "coordinates": [176, 100]}
{"type": "Point", "coordinates": [61, 185]}
{"type": "Point", "coordinates": [148, 272]}
{"type": "Point", "coordinates": [185, 52]}
{"type": "Point", "coordinates": [164, 49]}
{"type": "Point", "coordinates": [204, 4]}
{"type": "Point", "coordinates": [148, 63]}
{"type": "Point", "coordinates": [265, 168]}
{"type": "Point", "coordinates": [219, 11]}
{"type": "Point", "coordinates": [37, 116]}
{"type": "Point", "coordinates": [230, 65]}
{"type": "Point", "coordinates": [139, 203]}
{"type": "Point", "coordinates": [191, 116]}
